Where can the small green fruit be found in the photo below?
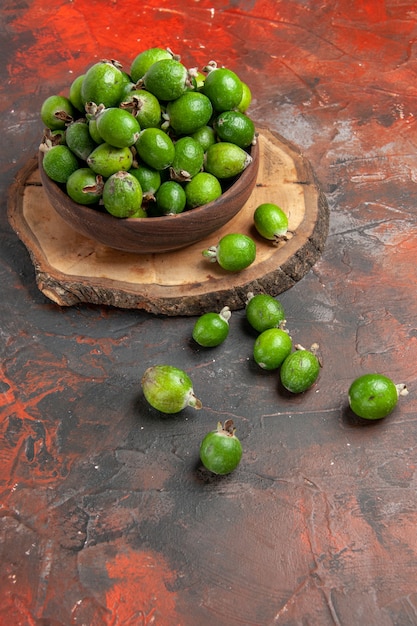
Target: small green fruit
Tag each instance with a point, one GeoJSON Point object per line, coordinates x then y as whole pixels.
{"type": "Point", "coordinates": [211, 329]}
{"type": "Point", "coordinates": [166, 79]}
{"type": "Point", "coordinates": [122, 195]}
{"type": "Point", "coordinates": [189, 112]}
{"type": "Point", "coordinates": [143, 61]}
{"type": "Point", "coordinates": [263, 311]}
{"type": "Point", "coordinates": [225, 160]}
{"type": "Point", "coordinates": [79, 140]}
{"type": "Point", "coordinates": [107, 160]}
{"type": "Point", "coordinates": [224, 88]}
{"type": "Point", "coordinates": [202, 189]}
{"type": "Point", "coordinates": [57, 112]}
{"type": "Point", "coordinates": [221, 450]}
{"type": "Point", "coordinates": [118, 127]}
{"type": "Point", "coordinates": [234, 252]}
{"type": "Point", "coordinates": [84, 186]}
{"type": "Point", "coordinates": [374, 396]}
{"type": "Point", "coordinates": [271, 348]}
{"type": "Point", "coordinates": [59, 162]}
{"type": "Point", "coordinates": [236, 128]}
{"type": "Point", "coordinates": [168, 389]}
{"type": "Point", "coordinates": [271, 222]}
{"type": "Point", "coordinates": [103, 84]}
{"type": "Point", "coordinates": [300, 370]}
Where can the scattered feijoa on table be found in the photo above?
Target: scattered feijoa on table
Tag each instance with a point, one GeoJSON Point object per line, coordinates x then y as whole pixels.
{"type": "Point", "coordinates": [374, 396]}
{"type": "Point", "coordinates": [211, 329]}
{"type": "Point", "coordinates": [168, 389]}
{"type": "Point", "coordinates": [263, 311]}
{"type": "Point", "coordinates": [271, 348]}
{"type": "Point", "coordinates": [221, 450]}
{"type": "Point", "coordinates": [300, 370]}
{"type": "Point", "coordinates": [234, 252]}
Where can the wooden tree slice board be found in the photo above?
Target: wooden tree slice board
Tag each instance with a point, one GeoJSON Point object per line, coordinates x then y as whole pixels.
{"type": "Point", "coordinates": [71, 269]}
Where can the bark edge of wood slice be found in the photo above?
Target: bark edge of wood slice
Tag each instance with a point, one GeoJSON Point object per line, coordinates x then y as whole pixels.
{"type": "Point", "coordinates": [71, 269]}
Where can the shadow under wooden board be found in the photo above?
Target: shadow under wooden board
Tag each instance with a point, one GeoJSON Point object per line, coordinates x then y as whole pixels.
{"type": "Point", "coordinates": [72, 269]}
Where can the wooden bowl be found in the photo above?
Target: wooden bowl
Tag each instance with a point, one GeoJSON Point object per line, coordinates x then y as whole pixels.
{"type": "Point", "coordinates": [153, 234]}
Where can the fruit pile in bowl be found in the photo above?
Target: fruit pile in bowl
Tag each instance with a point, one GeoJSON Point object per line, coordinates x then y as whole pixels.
{"type": "Point", "coordinates": [149, 160]}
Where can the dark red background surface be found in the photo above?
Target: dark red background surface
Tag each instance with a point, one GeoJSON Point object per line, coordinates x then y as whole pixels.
{"type": "Point", "coordinates": [106, 517]}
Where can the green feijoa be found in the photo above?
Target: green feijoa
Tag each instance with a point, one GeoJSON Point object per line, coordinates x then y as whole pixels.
{"type": "Point", "coordinates": [221, 450]}
{"type": "Point", "coordinates": [79, 140]}
{"type": "Point", "coordinates": [235, 127]}
{"type": "Point", "coordinates": [57, 112]}
{"type": "Point", "coordinates": [202, 189]}
{"type": "Point", "coordinates": [169, 389]}
{"type": "Point", "coordinates": [263, 311]}
{"type": "Point", "coordinates": [122, 195]}
{"type": "Point", "coordinates": [143, 61]}
{"type": "Point", "coordinates": [246, 98]}
{"type": "Point", "coordinates": [103, 84]}
{"type": "Point", "coordinates": [93, 130]}
{"type": "Point", "coordinates": [84, 186]}
{"type": "Point", "coordinates": [149, 179]}
{"type": "Point", "coordinates": [205, 136]}
{"type": "Point", "coordinates": [155, 148]}
{"type": "Point", "coordinates": [374, 396]}
{"type": "Point", "coordinates": [189, 112]}
{"type": "Point", "coordinates": [225, 160]}
{"type": "Point", "coordinates": [59, 162]}
{"type": "Point", "coordinates": [271, 222]}
{"type": "Point", "coordinates": [75, 93]}
{"type": "Point", "coordinates": [224, 88]}
{"type": "Point", "coordinates": [188, 159]}
{"type": "Point", "coordinates": [211, 329]}
{"type": "Point", "coordinates": [107, 160]}
{"type": "Point", "coordinates": [234, 252]}
{"type": "Point", "coordinates": [170, 198]}
{"type": "Point", "coordinates": [166, 79]}
{"type": "Point", "coordinates": [144, 106]}
{"type": "Point", "coordinates": [118, 127]}
{"type": "Point", "coordinates": [299, 371]}
{"type": "Point", "coordinates": [271, 348]}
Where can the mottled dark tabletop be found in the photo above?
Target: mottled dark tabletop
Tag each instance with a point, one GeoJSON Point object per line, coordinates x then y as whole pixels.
{"type": "Point", "coordinates": [106, 516]}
